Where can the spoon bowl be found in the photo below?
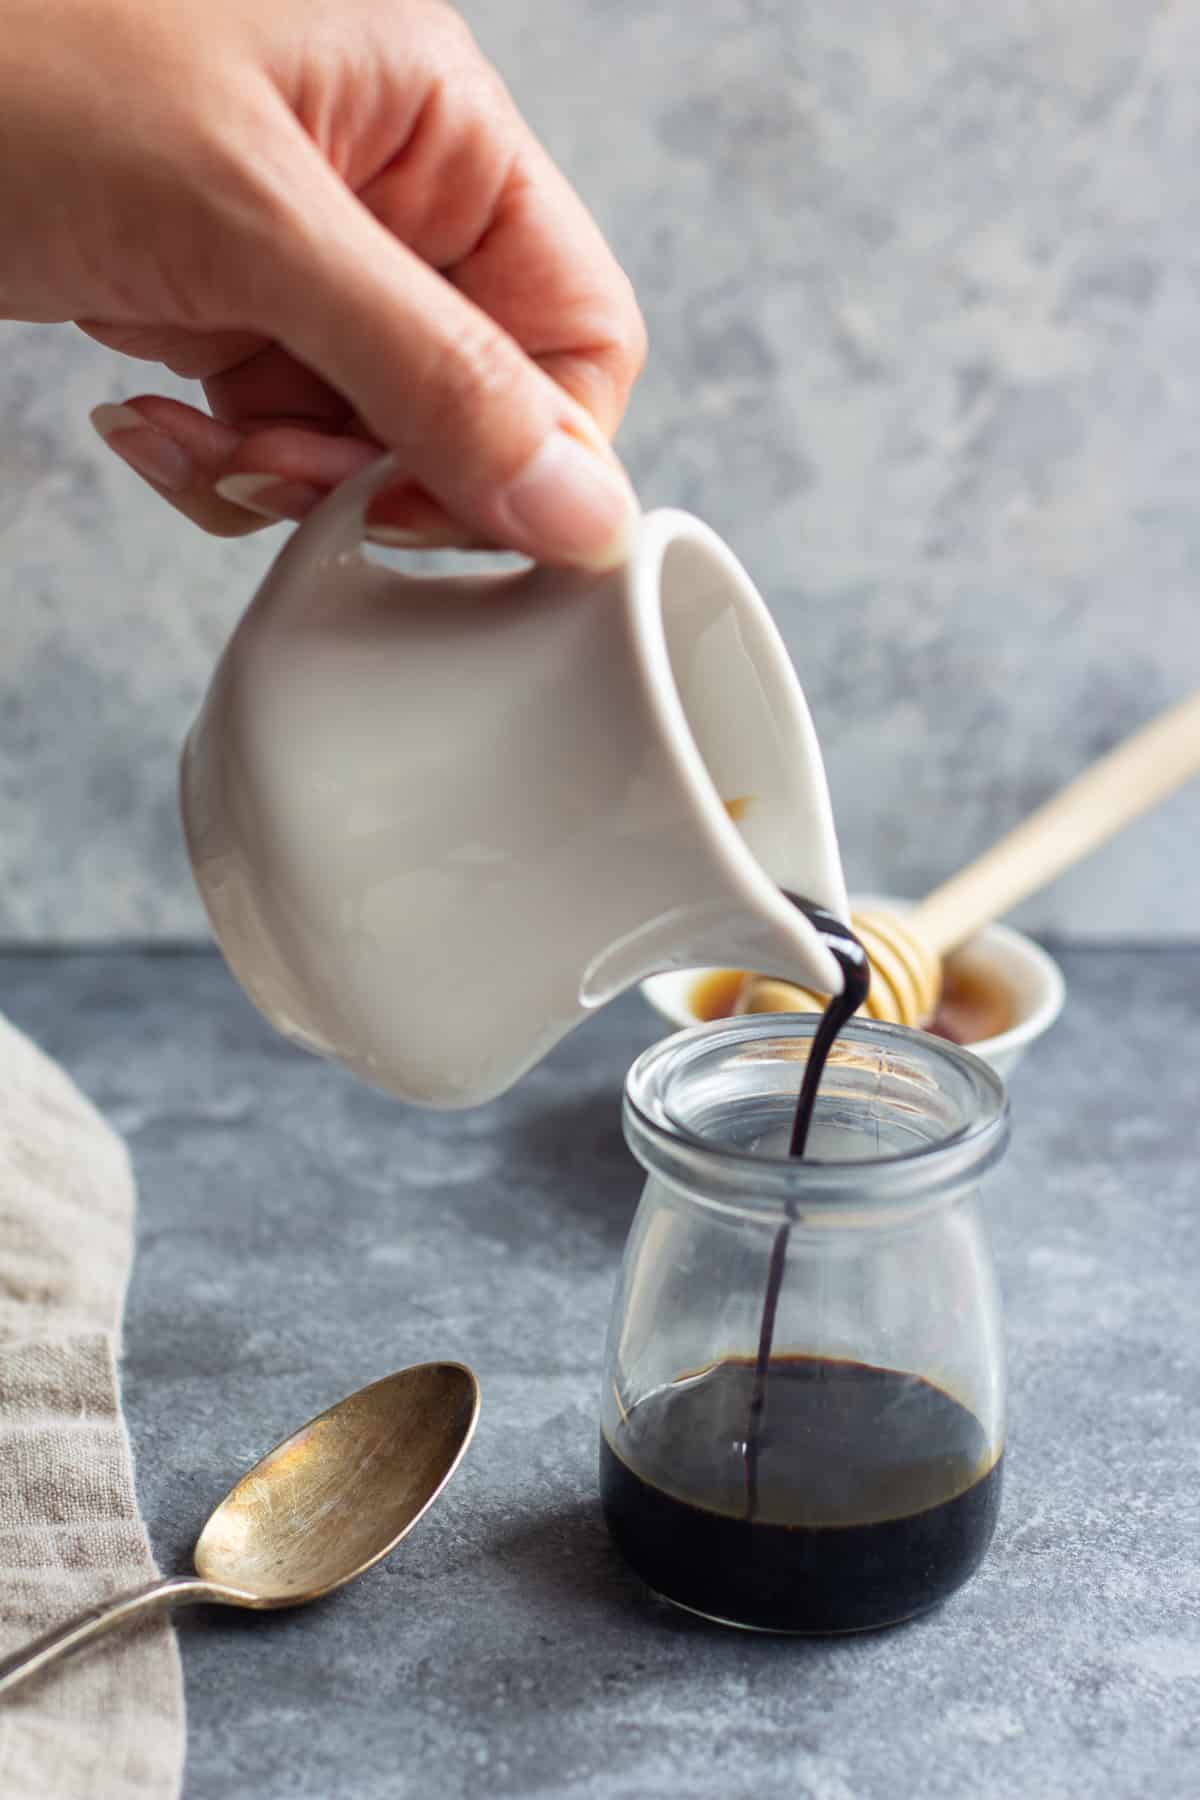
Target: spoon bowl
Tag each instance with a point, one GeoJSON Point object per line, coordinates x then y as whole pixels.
{"type": "Point", "coordinates": [317, 1510]}
{"type": "Point", "coordinates": [340, 1493]}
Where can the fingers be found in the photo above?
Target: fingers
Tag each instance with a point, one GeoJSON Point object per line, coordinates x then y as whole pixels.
{"type": "Point", "coordinates": [465, 313]}
{"type": "Point", "coordinates": [483, 430]}
{"type": "Point", "coordinates": [545, 273]}
{"type": "Point", "coordinates": [252, 465]}
{"type": "Point", "coordinates": [283, 472]}
{"type": "Point", "coordinates": [230, 483]}
{"type": "Point", "coordinates": [528, 253]}
{"type": "Point", "coordinates": [271, 388]}
{"type": "Point", "coordinates": [179, 452]}
{"type": "Point", "coordinates": [283, 437]}
{"type": "Point", "coordinates": [197, 463]}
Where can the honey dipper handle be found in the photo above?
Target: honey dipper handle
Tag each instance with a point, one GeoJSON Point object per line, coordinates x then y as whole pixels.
{"type": "Point", "coordinates": [1092, 808]}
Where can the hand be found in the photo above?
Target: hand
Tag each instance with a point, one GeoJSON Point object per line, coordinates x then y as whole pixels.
{"type": "Point", "coordinates": [331, 214]}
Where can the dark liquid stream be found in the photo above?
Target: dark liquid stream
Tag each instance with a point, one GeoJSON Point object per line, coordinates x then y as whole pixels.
{"type": "Point", "coordinates": [856, 980]}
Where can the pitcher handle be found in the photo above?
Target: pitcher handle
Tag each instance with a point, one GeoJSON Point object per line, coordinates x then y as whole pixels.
{"type": "Point", "coordinates": [336, 527]}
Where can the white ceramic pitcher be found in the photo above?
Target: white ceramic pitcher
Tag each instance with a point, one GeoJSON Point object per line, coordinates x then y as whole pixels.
{"type": "Point", "coordinates": [436, 820]}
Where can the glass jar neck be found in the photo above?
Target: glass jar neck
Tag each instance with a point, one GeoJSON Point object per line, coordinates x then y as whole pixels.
{"type": "Point", "coordinates": [904, 1121]}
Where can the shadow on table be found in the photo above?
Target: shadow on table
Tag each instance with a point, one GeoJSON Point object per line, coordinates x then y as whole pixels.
{"type": "Point", "coordinates": [566, 1565]}
{"type": "Point", "coordinates": [584, 1166]}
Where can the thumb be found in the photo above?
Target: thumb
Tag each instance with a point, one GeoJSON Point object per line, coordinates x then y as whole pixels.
{"type": "Point", "coordinates": [472, 418]}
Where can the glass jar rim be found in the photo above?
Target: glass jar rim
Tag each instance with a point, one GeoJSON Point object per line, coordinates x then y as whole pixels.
{"type": "Point", "coordinates": [736, 1180]}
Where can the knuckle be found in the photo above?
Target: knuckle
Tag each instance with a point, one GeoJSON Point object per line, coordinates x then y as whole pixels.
{"type": "Point", "coordinates": [619, 355]}
{"type": "Point", "coordinates": [447, 28]}
{"type": "Point", "coordinates": [634, 339]}
{"type": "Point", "coordinates": [477, 371]}
{"type": "Point", "coordinates": [622, 346]}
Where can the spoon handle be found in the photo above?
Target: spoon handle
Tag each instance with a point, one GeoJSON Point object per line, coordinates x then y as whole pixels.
{"type": "Point", "coordinates": [99, 1619]}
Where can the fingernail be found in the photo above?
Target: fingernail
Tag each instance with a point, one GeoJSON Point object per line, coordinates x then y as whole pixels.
{"type": "Point", "coordinates": [270, 497]}
{"type": "Point", "coordinates": [394, 539]}
{"type": "Point", "coordinates": [569, 503]}
{"type": "Point", "coordinates": [152, 454]}
{"type": "Point", "coordinates": [430, 537]}
{"type": "Point", "coordinates": [109, 418]}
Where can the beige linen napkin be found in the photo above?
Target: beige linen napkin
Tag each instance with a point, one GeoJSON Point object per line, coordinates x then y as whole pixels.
{"type": "Point", "coordinates": [107, 1724]}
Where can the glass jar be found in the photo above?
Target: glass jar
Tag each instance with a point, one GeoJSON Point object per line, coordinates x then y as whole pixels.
{"type": "Point", "coordinates": [835, 1466]}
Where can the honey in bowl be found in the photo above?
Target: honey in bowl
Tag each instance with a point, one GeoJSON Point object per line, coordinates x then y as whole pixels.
{"type": "Point", "coordinates": [715, 994]}
{"type": "Point", "coordinates": [974, 1006]}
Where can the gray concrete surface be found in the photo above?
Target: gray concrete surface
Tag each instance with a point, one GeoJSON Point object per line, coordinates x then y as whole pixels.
{"type": "Point", "coordinates": [922, 285]}
{"type": "Point", "coordinates": [300, 1235]}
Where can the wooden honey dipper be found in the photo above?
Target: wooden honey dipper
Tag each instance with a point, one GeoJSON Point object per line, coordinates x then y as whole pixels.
{"type": "Point", "coordinates": [906, 953]}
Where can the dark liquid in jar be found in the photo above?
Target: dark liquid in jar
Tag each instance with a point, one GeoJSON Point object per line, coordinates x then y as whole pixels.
{"type": "Point", "coordinates": [802, 1493]}
{"type": "Point", "coordinates": [877, 1494]}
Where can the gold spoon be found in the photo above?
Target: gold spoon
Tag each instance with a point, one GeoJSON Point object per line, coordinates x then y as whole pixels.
{"type": "Point", "coordinates": [320, 1508]}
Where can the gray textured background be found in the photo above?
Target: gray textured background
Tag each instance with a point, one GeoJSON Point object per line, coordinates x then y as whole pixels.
{"type": "Point", "coordinates": [923, 285]}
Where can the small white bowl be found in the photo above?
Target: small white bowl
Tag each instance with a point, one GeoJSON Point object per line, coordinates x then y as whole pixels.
{"type": "Point", "coordinates": [1010, 960]}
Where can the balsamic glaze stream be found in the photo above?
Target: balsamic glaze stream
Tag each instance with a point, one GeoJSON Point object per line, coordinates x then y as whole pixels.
{"type": "Point", "coordinates": [852, 959]}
